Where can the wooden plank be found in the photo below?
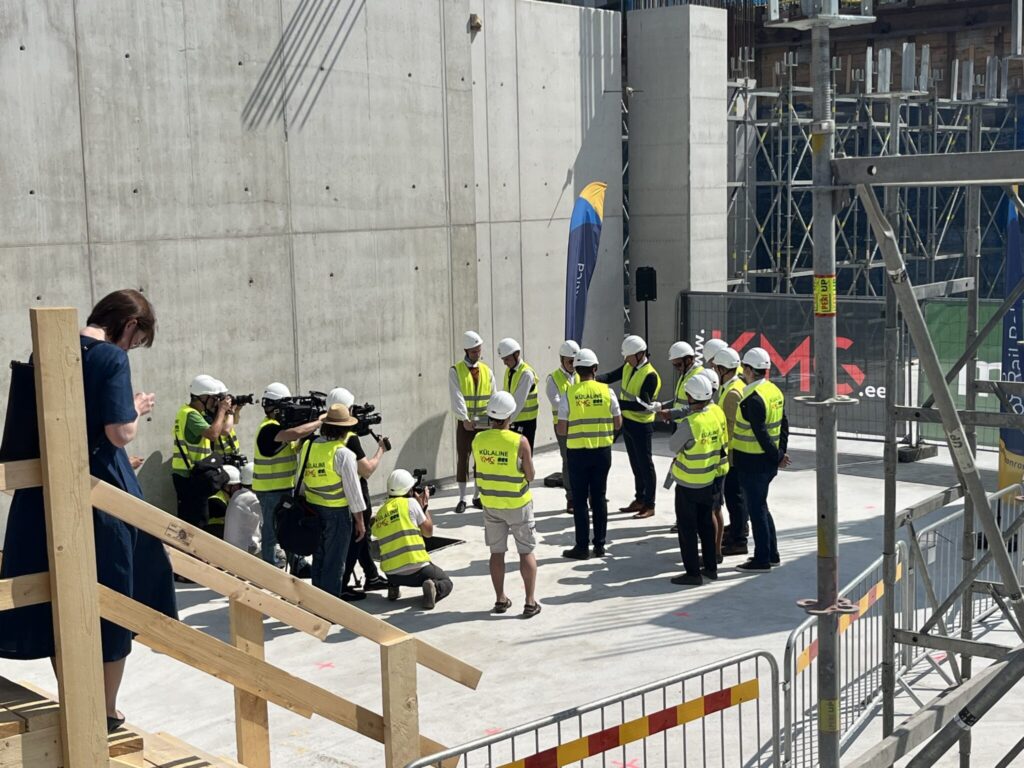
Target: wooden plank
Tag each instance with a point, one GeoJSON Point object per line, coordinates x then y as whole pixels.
{"type": "Point", "coordinates": [20, 474]}
{"type": "Point", "coordinates": [401, 707]}
{"type": "Point", "coordinates": [125, 743]}
{"type": "Point", "coordinates": [188, 538]}
{"type": "Point", "coordinates": [24, 710]}
{"type": "Point", "coordinates": [70, 544]}
{"type": "Point", "coordinates": [225, 584]}
{"type": "Point", "coordinates": [215, 760]}
{"type": "Point", "coordinates": [37, 749]}
{"type": "Point", "coordinates": [24, 590]}
{"type": "Point", "coordinates": [252, 726]}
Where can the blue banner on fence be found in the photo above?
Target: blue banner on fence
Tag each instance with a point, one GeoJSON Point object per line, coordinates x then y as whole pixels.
{"type": "Point", "coordinates": [584, 241]}
{"type": "Point", "coordinates": [1011, 441]}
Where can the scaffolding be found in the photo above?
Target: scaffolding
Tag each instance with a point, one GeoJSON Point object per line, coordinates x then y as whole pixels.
{"type": "Point", "coordinates": [770, 190]}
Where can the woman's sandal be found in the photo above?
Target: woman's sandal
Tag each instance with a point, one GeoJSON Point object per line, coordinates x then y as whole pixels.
{"type": "Point", "coordinates": [502, 605]}
{"type": "Point", "coordinates": [113, 723]}
{"type": "Point", "coordinates": [529, 611]}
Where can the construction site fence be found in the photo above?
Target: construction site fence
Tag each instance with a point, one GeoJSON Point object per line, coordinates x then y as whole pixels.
{"type": "Point", "coordinates": [726, 714]}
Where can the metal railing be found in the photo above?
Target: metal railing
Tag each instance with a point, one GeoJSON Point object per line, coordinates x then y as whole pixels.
{"type": "Point", "coordinates": [725, 714]}
{"type": "Point", "coordinates": [861, 650]}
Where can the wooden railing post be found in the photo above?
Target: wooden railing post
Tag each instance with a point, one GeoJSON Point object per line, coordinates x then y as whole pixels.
{"type": "Point", "coordinates": [60, 398]}
{"type": "Point", "coordinates": [252, 732]}
{"type": "Point", "coordinates": [401, 705]}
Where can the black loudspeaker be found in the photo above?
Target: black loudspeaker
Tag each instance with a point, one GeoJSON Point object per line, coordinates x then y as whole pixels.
{"type": "Point", "coordinates": [646, 284]}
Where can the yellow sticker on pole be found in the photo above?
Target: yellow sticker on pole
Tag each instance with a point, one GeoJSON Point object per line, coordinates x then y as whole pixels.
{"type": "Point", "coordinates": [824, 295]}
{"type": "Point", "coordinates": [828, 716]}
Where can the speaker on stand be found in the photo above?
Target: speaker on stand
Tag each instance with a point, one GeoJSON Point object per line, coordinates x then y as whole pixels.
{"type": "Point", "coordinates": [646, 283]}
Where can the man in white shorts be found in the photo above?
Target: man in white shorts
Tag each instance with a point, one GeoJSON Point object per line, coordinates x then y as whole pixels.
{"type": "Point", "coordinates": [504, 470]}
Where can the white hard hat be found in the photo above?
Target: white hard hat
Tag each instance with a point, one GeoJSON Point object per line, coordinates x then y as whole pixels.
{"type": "Point", "coordinates": [204, 385]}
{"type": "Point", "coordinates": [340, 396]}
{"type": "Point", "coordinates": [501, 406]}
{"type": "Point", "coordinates": [585, 358]}
{"type": "Point", "coordinates": [680, 349]}
{"type": "Point", "coordinates": [569, 348]}
{"type": "Point", "coordinates": [712, 347]}
{"type": "Point", "coordinates": [234, 476]}
{"type": "Point", "coordinates": [632, 345]}
{"type": "Point", "coordinates": [699, 388]}
{"type": "Point", "coordinates": [222, 388]}
{"type": "Point", "coordinates": [276, 391]}
{"type": "Point", "coordinates": [400, 482]}
{"type": "Point", "coordinates": [471, 340]}
{"type": "Point", "coordinates": [710, 375]}
{"type": "Point", "coordinates": [507, 347]}
{"type": "Point", "coordinates": [757, 359]}
{"type": "Point", "coordinates": [727, 358]}
{"type": "Point", "coordinates": [246, 473]}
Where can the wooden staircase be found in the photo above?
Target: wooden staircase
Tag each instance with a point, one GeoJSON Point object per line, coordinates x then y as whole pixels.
{"type": "Point", "coordinates": [30, 738]}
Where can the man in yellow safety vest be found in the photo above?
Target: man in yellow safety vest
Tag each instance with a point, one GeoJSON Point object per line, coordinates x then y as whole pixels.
{"type": "Point", "coordinates": [521, 383]}
{"type": "Point", "coordinates": [730, 392]}
{"type": "Point", "coordinates": [504, 471]}
{"type": "Point", "coordinates": [558, 382]}
{"type": "Point", "coordinates": [400, 527]}
{"type": "Point", "coordinates": [470, 385]}
{"type": "Point", "coordinates": [197, 424]}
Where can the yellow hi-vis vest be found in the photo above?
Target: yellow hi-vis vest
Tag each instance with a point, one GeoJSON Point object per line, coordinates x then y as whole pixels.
{"type": "Point", "coordinates": [743, 439]}
{"type": "Point", "coordinates": [591, 424]}
{"type": "Point", "coordinates": [632, 380]}
{"type": "Point", "coordinates": [562, 381]}
{"type": "Point", "coordinates": [323, 485]}
{"type": "Point", "coordinates": [223, 498]}
{"type": "Point", "coordinates": [531, 407]}
{"type": "Point", "coordinates": [277, 472]}
{"type": "Point", "coordinates": [476, 394]}
{"type": "Point", "coordinates": [227, 443]}
{"type": "Point", "coordinates": [681, 401]}
{"type": "Point", "coordinates": [716, 410]}
{"type": "Point", "coordinates": [401, 542]}
{"type": "Point", "coordinates": [496, 458]}
{"type": "Point", "coordinates": [194, 451]}
{"type": "Point", "coordinates": [697, 466]}
{"type": "Point", "coordinates": [734, 383]}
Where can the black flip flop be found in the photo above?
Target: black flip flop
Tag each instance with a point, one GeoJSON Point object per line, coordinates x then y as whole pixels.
{"type": "Point", "coordinates": [502, 606]}
{"type": "Point", "coordinates": [529, 611]}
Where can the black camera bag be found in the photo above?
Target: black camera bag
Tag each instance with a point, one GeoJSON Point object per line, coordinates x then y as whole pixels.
{"type": "Point", "coordinates": [296, 524]}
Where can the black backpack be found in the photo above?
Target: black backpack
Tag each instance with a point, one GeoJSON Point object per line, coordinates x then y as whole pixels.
{"type": "Point", "coordinates": [296, 524]}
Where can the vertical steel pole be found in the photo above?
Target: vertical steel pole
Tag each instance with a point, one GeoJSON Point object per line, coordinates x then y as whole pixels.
{"type": "Point", "coordinates": [823, 149]}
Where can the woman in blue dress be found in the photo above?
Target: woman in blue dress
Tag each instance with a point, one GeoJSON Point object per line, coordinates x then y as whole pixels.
{"type": "Point", "coordinates": [127, 560]}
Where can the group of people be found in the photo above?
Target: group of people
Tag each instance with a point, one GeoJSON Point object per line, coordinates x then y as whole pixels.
{"type": "Point", "coordinates": [729, 441]}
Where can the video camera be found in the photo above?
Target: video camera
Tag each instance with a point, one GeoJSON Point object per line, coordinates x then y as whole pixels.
{"type": "Point", "coordinates": [367, 415]}
{"type": "Point", "coordinates": [429, 488]}
{"type": "Point", "coordinates": [297, 410]}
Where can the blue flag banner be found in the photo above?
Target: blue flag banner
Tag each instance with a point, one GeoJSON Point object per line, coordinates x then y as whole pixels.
{"type": "Point", "coordinates": [584, 241]}
{"type": "Point", "coordinates": [1011, 441]}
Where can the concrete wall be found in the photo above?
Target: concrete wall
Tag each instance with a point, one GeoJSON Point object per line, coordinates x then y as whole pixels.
{"type": "Point", "coordinates": [321, 193]}
{"type": "Point", "coordinates": [678, 161]}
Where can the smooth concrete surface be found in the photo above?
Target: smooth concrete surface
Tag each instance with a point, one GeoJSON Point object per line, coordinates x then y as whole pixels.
{"type": "Point", "coordinates": [606, 625]}
{"type": "Point", "coordinates": [678, 155]}
{"type": "Point", "coordinates": [321, 192]}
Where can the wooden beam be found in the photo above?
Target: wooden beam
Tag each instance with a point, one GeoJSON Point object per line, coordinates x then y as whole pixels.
{"type": "Point", "coordinates": [60, 396]}
{"type": "Point", "coordinates": [225, 584]}
{"type": "Point", "coordinates": [20, 591]}
{"type": "Point", "coordinates": [22, 709]}
{"type": "Point", "coordinates": [252, 726]}
{"type": "Point", "coordinates": [20, 474]}
{"type": "Point", "coordinates": [191, 539]}
{"type": "Point", "coordinates": [401, 707]}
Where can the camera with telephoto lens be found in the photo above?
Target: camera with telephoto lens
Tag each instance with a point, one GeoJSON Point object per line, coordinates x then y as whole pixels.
{"type": "Point", "coordinates": [297, 410]}
{"type": "Point", "coordinates": [237, 460]}
{"type": "Point", "coordinates": [241, 399]}
{"type": "Point", "coordinates": [421, 487]}
{"type": "Point", "coordinates": [367, 416]}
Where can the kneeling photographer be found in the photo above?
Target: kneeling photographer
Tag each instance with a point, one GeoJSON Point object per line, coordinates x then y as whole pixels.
{"type": "Point", "coordinates": [288, 421]}
{"type": "Point", "coordinates": [359, 551]}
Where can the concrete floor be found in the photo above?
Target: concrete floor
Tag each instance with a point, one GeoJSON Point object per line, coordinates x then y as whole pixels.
{"type": "Point", "coordinates": [607, 625]}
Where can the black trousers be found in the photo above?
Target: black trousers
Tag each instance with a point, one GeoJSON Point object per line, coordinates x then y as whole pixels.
{"type": "Point", "coordinates": [429, 571]}
{"type": "Point", "coordinates": [588, 476]}
{"type": "Point", "coordinates": [693, 516]}
{"type": "Point", "coordinates": [638, 447]}
{"type": "Point", "coordinates": [359, 551]}
{"type": "Point", "coordinates": [738, 517]}
{"type": "Point", "coordinates": [190, 509]}
{"type": "Point", "coordinates": [526, 428]}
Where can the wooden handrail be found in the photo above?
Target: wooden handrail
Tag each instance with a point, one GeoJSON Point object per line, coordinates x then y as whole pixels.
{"type": "Point", "coordinates": [15, 475]}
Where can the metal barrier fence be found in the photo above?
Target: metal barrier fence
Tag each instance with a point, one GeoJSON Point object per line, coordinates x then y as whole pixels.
{"type": "Point", "coordinates": [725, 714]}
{"type": "Point", "coordinates": [860, 663]}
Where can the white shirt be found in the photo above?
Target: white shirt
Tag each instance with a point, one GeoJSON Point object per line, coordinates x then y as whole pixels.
{"type": "Point", "coordinates": [458, 401]}
{"type": "Point", "coordinates": [346, 467]}
{"type": "Point", "coordinates": [551, 388]}
{"type": "Point", "coordinates": [526, 382]}
{"type": "Point", "coordinates": [563, 406]}
{"type": "Point", "coordinates": [242, 521]}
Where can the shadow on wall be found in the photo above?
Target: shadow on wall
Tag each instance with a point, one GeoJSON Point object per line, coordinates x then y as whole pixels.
{"type": "Point", "coordinates": [304, 58]}
{"type": "Point", "coordinates": [155, 479]}
{"type": "Point", "coordinates": [424, 441]}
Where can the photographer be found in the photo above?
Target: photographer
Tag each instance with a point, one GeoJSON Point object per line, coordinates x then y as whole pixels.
{"type": "Point", "coordinates": [227, 443]}
{"type": "Point", "coordinates": [400, 527]}
{"type": "Point", "coordinates": [275, 460]}
{"type": "Point", "coordinates": [359, 550]}
{"type": "Point", "coordinates": [197, 425]}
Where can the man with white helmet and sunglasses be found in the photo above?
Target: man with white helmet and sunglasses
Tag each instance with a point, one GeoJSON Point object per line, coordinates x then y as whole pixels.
{"type": "Point", "coordinates": [730, 392]}
{"type": "Point", "coordinates": [558, 382]}
{"type": "Point", "coordinates": [198, 423]}
{"type": "Point", "coordinates": [639, 390]}
{"type": "Point", "coordinates": [759, 449]}
{"type": "Point", "coordinates": [521, 383]}
{"type": "Point", "coordinates": [470, 385]}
